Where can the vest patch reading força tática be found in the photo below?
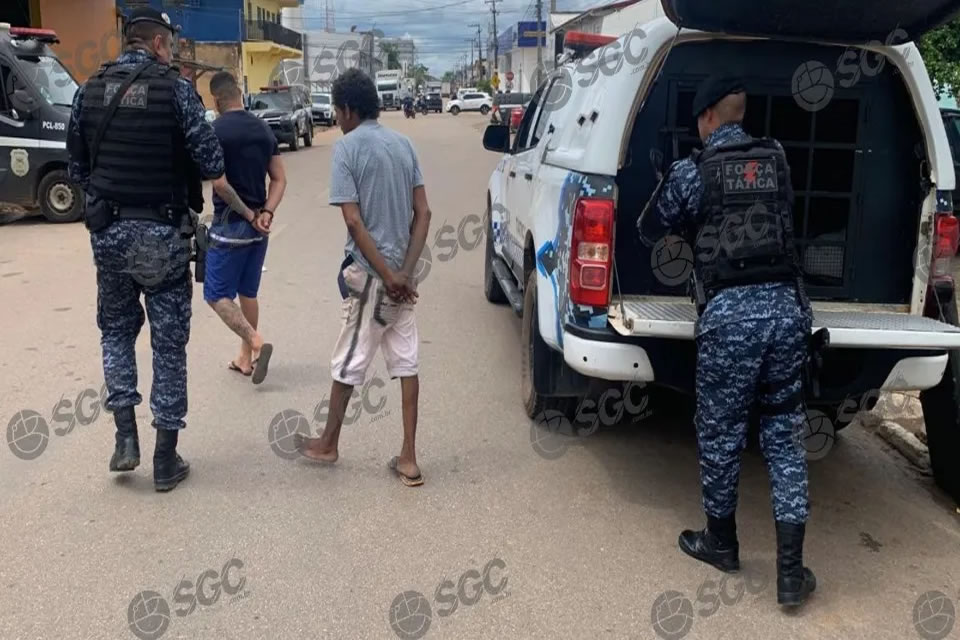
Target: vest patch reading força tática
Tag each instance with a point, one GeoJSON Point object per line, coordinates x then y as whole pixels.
{"type": "Point", "coordinates": [135, 97]}
{"type": "Point", "coordinates": [749, 176]}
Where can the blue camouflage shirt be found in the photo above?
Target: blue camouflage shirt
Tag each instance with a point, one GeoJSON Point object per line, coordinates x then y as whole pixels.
{"type": "Point", "coordinates": [678, 210]}
{"type": "Point", "coordinates": [201, 141]}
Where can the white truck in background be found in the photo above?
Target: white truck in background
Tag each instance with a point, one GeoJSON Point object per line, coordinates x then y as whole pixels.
{"type": "Point", "coordinates": [389, 88]}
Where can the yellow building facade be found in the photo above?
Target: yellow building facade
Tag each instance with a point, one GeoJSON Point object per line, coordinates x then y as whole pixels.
{"type": "Point", "coordinates": [267, 42]}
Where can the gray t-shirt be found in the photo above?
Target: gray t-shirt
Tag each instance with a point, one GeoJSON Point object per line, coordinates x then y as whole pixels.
{"type": "Point", "coordinates": [377, 168]}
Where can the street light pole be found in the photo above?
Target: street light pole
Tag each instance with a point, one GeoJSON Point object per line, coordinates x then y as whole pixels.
{"type": "Point", "coordinates": [539, 42]}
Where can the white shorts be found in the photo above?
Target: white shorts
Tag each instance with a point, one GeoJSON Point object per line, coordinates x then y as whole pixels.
{"type": "Point", "coordinates": [371, 320]}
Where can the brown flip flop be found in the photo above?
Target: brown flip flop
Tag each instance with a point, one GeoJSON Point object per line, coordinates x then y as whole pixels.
{"type": "Point", "coordinates": [262, 364]}
{"type": "Point", "coordinates": [405, 479]}
{"type": "Point", "coordinates": [233, 367]}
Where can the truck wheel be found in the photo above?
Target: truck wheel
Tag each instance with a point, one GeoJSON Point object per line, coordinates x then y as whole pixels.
{"type": "Point", "coordinates": [61, 199]}
{"type": "Point", "coordinates": [941, 411]}
{"type": "Point", "coordinates": [455, 110]}
{"type": "Point", "coordinates": [484, 110]}
{"type": "Point", "coordinates": [308, 136]}
{"type": "Point", "coordinates": [295, 141]}
{"type": "Point", "coordinates": [491, 286]}
{"type": "Point", "coordinates": [532, 344]}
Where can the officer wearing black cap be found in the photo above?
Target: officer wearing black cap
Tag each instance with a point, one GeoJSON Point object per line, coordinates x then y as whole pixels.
{"type": "Point", "coordinates": [136, 138]}
{"type": "Point", "coordinates": [732, 202]}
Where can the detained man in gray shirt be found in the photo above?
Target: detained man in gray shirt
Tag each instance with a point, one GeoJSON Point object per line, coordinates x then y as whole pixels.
{"type": "Point", "coordinates": [377, 184]}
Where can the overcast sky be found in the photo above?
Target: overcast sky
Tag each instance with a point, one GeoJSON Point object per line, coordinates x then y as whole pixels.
{"type": "Point", "coordinates": [441, 34]}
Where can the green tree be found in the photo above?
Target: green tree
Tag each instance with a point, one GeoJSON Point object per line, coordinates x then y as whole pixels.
{"type": "Point", "coordinates": [448, 76]}
{"type": "Point", "coordinates": [393, 58]}
{"type": "Point", "coordinates": [485, 86]}
{"type": "Point", "coordinates": [941, 53]}
{"type": "Point", "coordinates": [419, 74]}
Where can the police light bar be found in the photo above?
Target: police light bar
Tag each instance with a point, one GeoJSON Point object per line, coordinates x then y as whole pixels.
{"type": "Point", "coordinates": [44, 35]}
{"type": "Point", "coordinates": [584, 42]}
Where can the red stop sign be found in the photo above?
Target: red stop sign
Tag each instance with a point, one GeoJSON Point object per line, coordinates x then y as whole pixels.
{"type": "Point", "coordinates": [509, 76]}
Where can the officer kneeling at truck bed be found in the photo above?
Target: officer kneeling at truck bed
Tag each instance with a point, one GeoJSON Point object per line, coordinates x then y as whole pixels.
{"type": "Point", "coordinates": [733, 202]}
{"type": "Point", "coordinates": [138, 144]}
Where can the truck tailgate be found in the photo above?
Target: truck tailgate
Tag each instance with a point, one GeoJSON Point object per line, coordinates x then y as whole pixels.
{"type": "Point", "coordinates": [850, 326]}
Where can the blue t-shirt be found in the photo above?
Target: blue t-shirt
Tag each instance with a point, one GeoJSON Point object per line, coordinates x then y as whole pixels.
{"type": "Point", "coordinates": [248, 146]}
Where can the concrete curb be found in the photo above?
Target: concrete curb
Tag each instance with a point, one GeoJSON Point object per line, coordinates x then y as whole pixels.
{"type": "Point", "coordinates": [906, 443]}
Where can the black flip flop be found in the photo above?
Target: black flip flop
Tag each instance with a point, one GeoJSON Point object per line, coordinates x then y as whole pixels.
{"type": "Point", "coordinates": [263, 363]}
{"type": "Point", "coordinates": [405, 479]}
{"type": "Point", "coordinates": [233, 367]}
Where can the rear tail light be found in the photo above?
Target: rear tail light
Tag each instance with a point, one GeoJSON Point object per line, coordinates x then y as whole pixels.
{"type": "Point", "coordinates": [591, 252]}
{"type": "Point", "coordinates": [945, 241]}
{"type": "Point", "coordinates": [45, 35]}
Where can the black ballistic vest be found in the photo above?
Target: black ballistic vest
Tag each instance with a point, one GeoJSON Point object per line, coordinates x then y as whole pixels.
{"type": "Point", "coordinates": [747, 234]}
{"type": "Point", "coordinates": [143, 161]}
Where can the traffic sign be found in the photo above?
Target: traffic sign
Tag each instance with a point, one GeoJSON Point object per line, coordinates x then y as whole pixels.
{"type": "Point", "coordinates": [509, 76]}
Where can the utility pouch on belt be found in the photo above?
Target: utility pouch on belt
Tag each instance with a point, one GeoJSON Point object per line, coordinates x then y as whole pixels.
{"type": "Point", "coordinates": [697, 293]}
{"type": "Point", "coordinates": [98, 214]}
{"type": "Point", "coordinates": [819, 343]}
{"type": "Point", "coordinates": [198, 231]}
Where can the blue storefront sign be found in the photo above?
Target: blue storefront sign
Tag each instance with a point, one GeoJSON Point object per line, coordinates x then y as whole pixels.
{"type": "Point", "coordinates": [527, 33]}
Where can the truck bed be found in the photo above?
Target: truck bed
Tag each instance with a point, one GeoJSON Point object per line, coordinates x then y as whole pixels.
{"type": "Point", "coordinates": [851, 325]}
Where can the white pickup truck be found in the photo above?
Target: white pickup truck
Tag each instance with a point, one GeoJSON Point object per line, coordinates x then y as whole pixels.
{"type": "Point", "coordinates": [872, 173]}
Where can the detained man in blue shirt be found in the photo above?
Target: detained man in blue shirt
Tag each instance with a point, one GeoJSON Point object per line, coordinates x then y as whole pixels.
{"type": "Point", "coordinates": [238, 240]}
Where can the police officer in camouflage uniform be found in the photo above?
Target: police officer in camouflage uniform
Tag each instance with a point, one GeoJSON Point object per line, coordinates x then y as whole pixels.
{"type": "Point", "coordinates": [733, 203]}
{"type": "Point", "coordinates": [136, 171]}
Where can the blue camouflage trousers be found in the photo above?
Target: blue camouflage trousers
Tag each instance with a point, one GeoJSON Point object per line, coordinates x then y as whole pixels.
{"type": "Point", "coordinates": [752, 364]}
{"type": "Point", "coordinates": [135, 257]}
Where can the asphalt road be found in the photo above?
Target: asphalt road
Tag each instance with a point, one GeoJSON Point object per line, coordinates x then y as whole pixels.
{"type": "Point", "coordinates": [527, 541]}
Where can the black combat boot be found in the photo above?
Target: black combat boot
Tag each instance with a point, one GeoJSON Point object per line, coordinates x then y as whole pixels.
{"type": "Point", "coordinates": [794, 581]}
{"type": "Point", "coordinates": [716, 545]}
{"type": "Point", "coordinates": [126, 453]}
{"type": "Point", "coordinates": [168, 467]}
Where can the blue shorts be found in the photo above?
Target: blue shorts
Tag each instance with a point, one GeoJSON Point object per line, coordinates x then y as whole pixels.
{"type": "Point", "coordinates": [233, 270]}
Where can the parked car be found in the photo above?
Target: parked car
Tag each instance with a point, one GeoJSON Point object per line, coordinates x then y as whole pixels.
{"type": "Point", "coordinates": [435, 102]}
{"type": "Point", "coordinates": [34, 117]}
{"type": "Point", "coordinates": [287, 110]}
{"type": "Point", "coordinates": [509, 107]}
{"type": "Point", "coordinates": [951, 121]}
{"type": "Point", "coordinates": [875, 227]}
{"type": "Point", "coordinates": [322, 110]}
{"type": "Point", "coordinates": [478, 101]}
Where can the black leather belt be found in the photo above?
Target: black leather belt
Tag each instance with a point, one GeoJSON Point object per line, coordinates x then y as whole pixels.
{"type": "Point", "coordinates": [163, 215]}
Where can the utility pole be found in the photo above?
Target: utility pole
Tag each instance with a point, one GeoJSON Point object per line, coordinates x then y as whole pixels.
{"type": "Point", "coordinates": [471, 61]}
{"type": "Point", "coordinates": [479, 49]}
{"type": "Point", "coordinates": [539, 41]}
{"type": "Point", "coordinates": [496, 35]}
{"type": "Point", "coordinates": [373, 71]}
{"type": "Point", "coordinates": [306, 60]}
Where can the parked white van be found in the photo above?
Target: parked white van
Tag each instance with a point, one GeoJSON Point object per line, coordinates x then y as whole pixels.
{"type": "Point", "coordinates": [850, 100]}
